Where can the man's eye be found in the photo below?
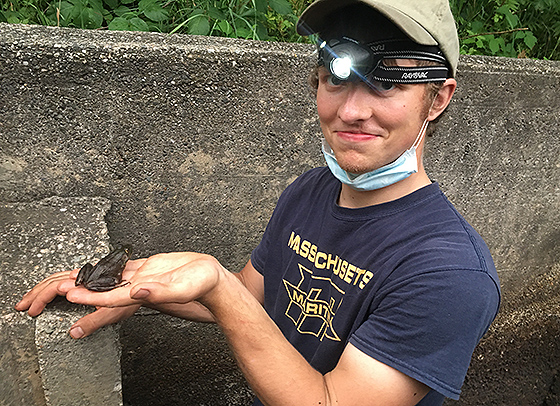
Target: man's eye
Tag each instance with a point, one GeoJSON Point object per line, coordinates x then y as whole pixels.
{"type": "Point", "coordinates": [382, 86]}
{"type": "Point", "coordinates": [333, 80]}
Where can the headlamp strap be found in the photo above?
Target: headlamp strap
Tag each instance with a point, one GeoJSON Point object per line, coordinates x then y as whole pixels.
{"type": "Point", "coordinates": [404, 49]}
{"type": "Point", "coordinates": [389, 49]}
{"type": "Point", "coordinates": [409, 74]}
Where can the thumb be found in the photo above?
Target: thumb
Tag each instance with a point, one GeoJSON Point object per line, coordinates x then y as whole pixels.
{"type": "Point", "coordinates": [103, 316]}
{"type": "Point", "coordinates": [146, 291]}
{"type": "Point", "coordinates": [140, 293]}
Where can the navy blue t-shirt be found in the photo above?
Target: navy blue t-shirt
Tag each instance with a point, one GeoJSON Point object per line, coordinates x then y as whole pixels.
{"type": "Point", "coordinates": [408, 282]}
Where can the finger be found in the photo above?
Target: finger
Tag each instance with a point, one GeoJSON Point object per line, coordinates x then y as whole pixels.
{"type": "Point", "coordinates": [28, 297]}
{"type": "Point", "coordinates": [65, 285]}
{"type": "Point", "coordinates": [74, 273]}
{"type": "Point", "coordinates": [45, 290]}
{"type": "Point", "coordinates": [100, 318]}
{"type": "Point", "coordinates": [46, 295]}
{"type": "Point", "coordinates": [134, 264]}
{"type": "Point", "coordinates": [131, 267]}
{"type": "Point", "coordinates": [114, 298]}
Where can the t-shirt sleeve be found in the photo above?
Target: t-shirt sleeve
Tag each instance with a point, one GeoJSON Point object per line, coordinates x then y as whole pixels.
{"type": "Point", "coordinates": [427, 327]}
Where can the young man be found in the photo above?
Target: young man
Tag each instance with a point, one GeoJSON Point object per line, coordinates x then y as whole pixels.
{"type": "Point", "coordinates": [368, 288]}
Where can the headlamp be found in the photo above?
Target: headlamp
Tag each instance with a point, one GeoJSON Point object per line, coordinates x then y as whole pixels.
{"type": "Point", "coordinates": [341, 67]}
{"type": "Point", "coordinates": [348, 60]}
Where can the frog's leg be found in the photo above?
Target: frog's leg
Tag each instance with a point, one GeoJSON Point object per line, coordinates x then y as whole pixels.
{"type": "Point", "coordinates": [123, 283]}
{"type": "Point", "coordinates": [105, 284]}
{"type": "Point", "coordinates": [84, 274]}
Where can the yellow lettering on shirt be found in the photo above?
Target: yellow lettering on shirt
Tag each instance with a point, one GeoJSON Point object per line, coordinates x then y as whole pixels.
{"type": "Point", "coordinates": [304, 251]}
{"type": "Point", "coordinates": [312, 253]}
{"type": "Point", "coordinates": [320, 260]}
{"type": "Point", "coordinates": [294, 242]}
{"type": "Point", "coordinates": [367, 277]}
{"type": "Point", "coordinates": [347, 272]}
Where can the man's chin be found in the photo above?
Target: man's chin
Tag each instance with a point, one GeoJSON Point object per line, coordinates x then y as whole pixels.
{"type": "Point", "coordinates": [355, 170]}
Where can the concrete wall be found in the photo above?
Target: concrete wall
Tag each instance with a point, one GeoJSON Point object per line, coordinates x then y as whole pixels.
{"type": "Point", "coordinates": [193, 139]}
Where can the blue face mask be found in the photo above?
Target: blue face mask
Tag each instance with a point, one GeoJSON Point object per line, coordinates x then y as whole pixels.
{"type": "Point", "coordinates": [401, 168]}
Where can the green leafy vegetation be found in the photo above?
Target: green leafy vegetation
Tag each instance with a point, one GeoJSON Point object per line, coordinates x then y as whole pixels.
{"type": "Point", "coordinates": [253, 19]}
{"type": "Point", "coordinates": [512, 28]}
{"type": "Point", "coordinates": [250, 19]}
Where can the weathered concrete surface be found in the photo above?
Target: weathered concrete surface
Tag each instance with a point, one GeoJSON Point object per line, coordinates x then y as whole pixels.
{"type": "Point", "coordinates": [193, 139]}
{"type": "Point", "coordinates": [20, 376]}
{"type": "Point", "coordinates": [41, 363]}
{"type": "Point", "coordinates": [78, 372]}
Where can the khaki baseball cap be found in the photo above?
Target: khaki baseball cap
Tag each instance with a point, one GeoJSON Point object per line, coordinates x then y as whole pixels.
{"type": "Point", "coordinates": [427, 22]}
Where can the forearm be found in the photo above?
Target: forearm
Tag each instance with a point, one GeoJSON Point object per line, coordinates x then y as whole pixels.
{"type": "Point", "coordinates": [193, 311]}
{"type": "Point", "coordinates": [273, 367]}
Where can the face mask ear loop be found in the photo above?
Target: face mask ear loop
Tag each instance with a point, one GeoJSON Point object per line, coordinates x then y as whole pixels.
{"type": "Point", "coordinates": [423, 129]}
{"type": "Point", "coordinates": [421, 134]}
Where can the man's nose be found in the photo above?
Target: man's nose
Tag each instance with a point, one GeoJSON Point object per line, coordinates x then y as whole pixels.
{"type": "Point", "coordinates": [357, 103]}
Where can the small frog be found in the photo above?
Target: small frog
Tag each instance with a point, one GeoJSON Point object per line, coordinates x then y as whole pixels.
{"type": "Point", "coordinates": [107, 273]}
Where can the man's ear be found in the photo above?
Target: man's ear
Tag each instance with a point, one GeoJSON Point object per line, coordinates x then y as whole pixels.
{"type": "Point", "coordinates": [442, 99]}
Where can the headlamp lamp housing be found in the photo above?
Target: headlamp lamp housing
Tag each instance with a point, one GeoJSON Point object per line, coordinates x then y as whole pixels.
{"type": "Point", "coordinates": [348, 60]}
